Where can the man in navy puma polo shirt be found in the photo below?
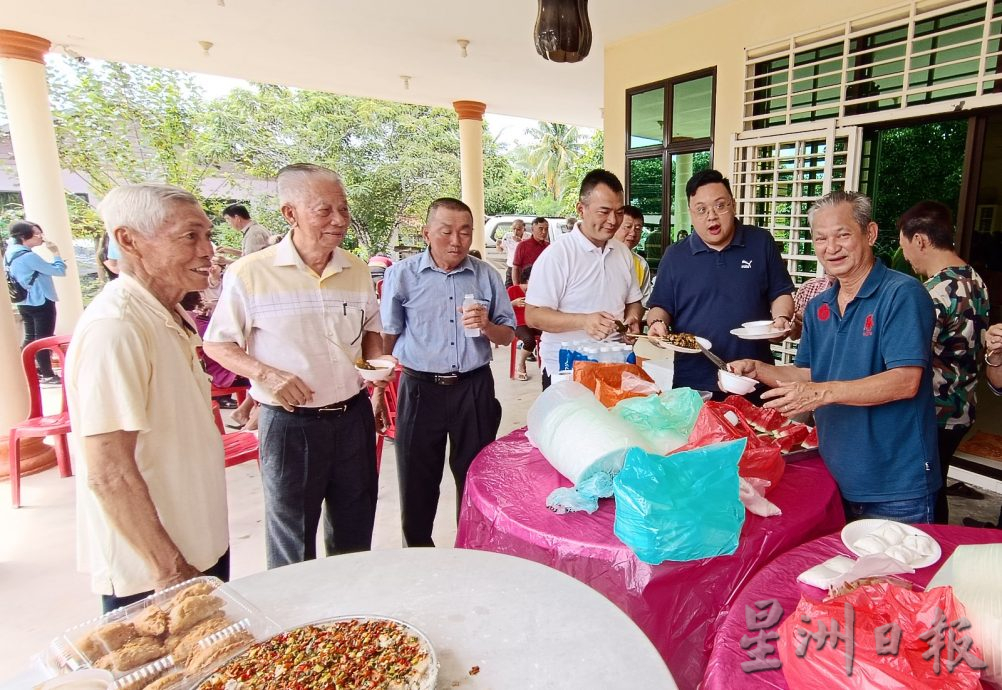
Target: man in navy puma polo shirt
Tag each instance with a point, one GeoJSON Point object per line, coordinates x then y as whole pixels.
{"type": "Point", "coordinates": [864, 367]}
{"type": "Point", "coordinates": [722, 275]}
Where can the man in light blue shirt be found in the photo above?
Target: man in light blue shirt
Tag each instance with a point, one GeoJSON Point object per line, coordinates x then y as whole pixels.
{"type": "Point", "coordinates": [447, 389]}
{"type": "Point", "coordinates": [34, 274]}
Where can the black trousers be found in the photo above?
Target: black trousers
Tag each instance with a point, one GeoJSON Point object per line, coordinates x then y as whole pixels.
{"type": "Point", "coordinates": [948, 441]}
{"type": "Point", "coordinates": [507, 277]}
{"type": "Point", "coordinates": [39, 322]}
{"type": "Point", "coordinates": [465, 414]}
{"type": "Point", "coordinates": [323, 460]}
{"type": "Point", "coordinates": [110, 602]}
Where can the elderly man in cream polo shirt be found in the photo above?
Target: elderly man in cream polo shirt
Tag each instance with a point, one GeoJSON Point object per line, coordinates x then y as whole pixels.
{"type": "Point", "coordinates": [293, 318]}
{"type": "Point", "coordinates": [151, 494]}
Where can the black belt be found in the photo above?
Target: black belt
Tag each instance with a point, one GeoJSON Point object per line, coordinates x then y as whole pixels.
{"type": "Point", "coordinates": [443, 379]}
{"type": "Point", "coordinates": [336, 409]}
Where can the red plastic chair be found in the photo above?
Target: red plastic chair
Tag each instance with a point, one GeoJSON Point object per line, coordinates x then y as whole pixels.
{"type": "Point", "coordinates": [38, 425]}
{"type": "Point", "coordinates": [239, 391]}
{"type": "Point", "coordinates": [379, 289]}
{"type": "Point", "coordinates": [239, 446]}
{"type": "Point", "coordinates": [390, 399]}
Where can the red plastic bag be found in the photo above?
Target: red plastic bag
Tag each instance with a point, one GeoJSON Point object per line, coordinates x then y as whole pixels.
{"type": "Point", "coordinates": [873, 606]}
{"type": "Point", "coordinates": [762, 457]}
{"type": "Point", "coordinates": [614, 382]}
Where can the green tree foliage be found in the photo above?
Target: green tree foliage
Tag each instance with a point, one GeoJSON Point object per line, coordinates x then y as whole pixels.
{"type": "Point", "coordinates": [550, 156]}
{"type": "Point", "coordinates": [506, 188]}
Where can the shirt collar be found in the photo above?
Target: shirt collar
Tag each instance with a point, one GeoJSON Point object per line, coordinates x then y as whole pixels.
{"type": "Point", "coordinates": [586, 245]}
{"type": "Point", "coordinates": [697, 245]}
{"type": "Point", "coordinates": [286, 254]}
{"type": "Point", "coordinates": [428, 263]}
{"type": "Point", "coordinates": [148, 300]}
{"type": "Point", "coordinates": [870, 283]}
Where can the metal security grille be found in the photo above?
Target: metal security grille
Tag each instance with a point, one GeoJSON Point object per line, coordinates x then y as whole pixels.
{"type": "Point", "coordinates": [916, 54]}
{"type": "Point", "coordinates": [775, 178]}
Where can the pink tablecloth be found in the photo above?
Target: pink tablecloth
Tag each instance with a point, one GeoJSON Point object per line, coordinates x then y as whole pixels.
{"type": "Point", "coordinates": [678, 605]}
{"type": "Point", "coordinates": [778, 581]}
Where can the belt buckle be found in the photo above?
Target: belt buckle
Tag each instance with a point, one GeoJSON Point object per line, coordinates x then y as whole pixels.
{"type": "Point", "coordinates": [337, 409]}
{"type": "Point", "coordinates": [446, 379]}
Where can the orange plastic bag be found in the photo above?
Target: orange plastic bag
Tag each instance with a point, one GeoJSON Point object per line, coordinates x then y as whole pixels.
{"type": "Point", "coordinates": [762, 457]}
{"type": "Point", "coordinates": [614, 382]}
{"type": "Point", "coordinates": [875, 610]}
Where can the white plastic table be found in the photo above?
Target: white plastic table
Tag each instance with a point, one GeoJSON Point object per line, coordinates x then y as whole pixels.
{"type": "Point", "coordinates": [523, 624]}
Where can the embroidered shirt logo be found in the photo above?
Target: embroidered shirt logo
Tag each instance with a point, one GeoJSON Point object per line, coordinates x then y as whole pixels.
{"type": "Point", "coordinates": [824, 312]}
{"type": "Point", "coordinates": [868, 325]}
{"type": "Point", "coordinates": [746, 263]}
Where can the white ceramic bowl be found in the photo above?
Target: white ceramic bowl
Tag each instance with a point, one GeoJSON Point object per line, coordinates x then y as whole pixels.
{"type": "Point", "coordinates": [755, 327]}
{"type": "Point", "coordinates": [732, 383]}
{"type": "Point", "coordinates": [382, 372]}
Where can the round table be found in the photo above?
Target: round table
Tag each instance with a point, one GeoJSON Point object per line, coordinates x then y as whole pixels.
{"type": "Point", "coordinates": [524, 625]}
{"type": "Point", "coordinates": [778, 581]}
{"type": "Point", "coordinates": [677, 604]}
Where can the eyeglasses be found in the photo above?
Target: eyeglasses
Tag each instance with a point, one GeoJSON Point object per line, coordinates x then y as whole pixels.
{"type": "Point", "coordinates": [721, 208]}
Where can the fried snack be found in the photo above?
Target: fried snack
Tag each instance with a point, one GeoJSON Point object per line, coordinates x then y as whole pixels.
{"type": "Point", "coordinates": [199, 588]}
{"type": "Point", "coordinates": [164, 682]}
{"type": "Point", "coordinates": [151, 621]}
{"type": "Point", "coordinates": [114, 635]}
{"type": "Point", "coordinates": [137, 652]}
{"type": "Point", "coordinates": [205, 658]}
{"type": "Point", "coordinates": [192, 610]}
{"type": "Point", "coordinates": [185, 644]}
{"type": "Point", "coordinates": [686, 340]}
{"type": "Point", "coordinates": [104, 663]}
{"type": "Point", "coordinates": [90, 646]}
{"type": "Point", "coordinates": [360, 363]}
{"type": "Point", "coordinates": [140, 681]}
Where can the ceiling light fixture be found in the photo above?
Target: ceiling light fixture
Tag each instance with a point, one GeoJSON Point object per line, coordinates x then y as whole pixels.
{"type": "Point", "coordinates": [206, 47]}
{"type": "Point", "coordinates": [563, 32]}
{"type": "Point", "coordinates": [463, 44]}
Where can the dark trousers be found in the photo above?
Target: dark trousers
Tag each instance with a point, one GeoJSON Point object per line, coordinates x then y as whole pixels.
{"type": "Point", "coordinates": [507, 278]}
{"type": "Point", "coordinates": [428, 414]}
{"type": "Point", "coordinates": [528, 337]}
{"type": "Point", "coordinates": [948, 441]}
{"type": "Point", "coordinates": [110, 602]}
{"type": "Point", "coordinates": [39, 322]}
{"type": "Point", "coordinates": [309, 462]}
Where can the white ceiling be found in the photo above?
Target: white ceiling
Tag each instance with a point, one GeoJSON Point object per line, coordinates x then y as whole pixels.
{"type": "Point", "coordinates": [358, 47]}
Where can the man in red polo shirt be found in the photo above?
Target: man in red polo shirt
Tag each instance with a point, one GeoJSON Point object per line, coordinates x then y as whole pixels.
{"type": "Point", "coordinates": [529, 249]}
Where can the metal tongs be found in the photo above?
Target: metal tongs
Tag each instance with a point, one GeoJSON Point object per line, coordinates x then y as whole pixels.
{"type": "Point", "coordinates": [721, 364]}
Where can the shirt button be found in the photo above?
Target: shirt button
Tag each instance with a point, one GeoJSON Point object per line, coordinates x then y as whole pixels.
{"type": "Point", "coordinates": [452, 343]}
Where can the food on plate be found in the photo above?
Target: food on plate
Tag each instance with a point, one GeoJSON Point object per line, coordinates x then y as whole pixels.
{"type": "Point", "coordinates": [151, 621]}
{"type": "Point", "coordinates": [136, 652]}
{"type": "Point", "coordinates": [685, 340]}
{"type": "Point", "coordinates": [197, 589]}
{"type": "Point", "coordinates": [114, 635]}
{"type": "Point", "coordinates": [350, 654]}
{"type": "Point", "coordinates": [360, 363]}
{"type": "Point", "coordinates": [193, 610]}
{"type": "Point", "coordinates": [205, 657]}
{"type": "Point", "coordinates": [182, 646]}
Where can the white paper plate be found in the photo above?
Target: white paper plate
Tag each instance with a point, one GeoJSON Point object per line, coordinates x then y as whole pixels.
{"type": "Point", "coordinates": [687, 350]}
{"type": "Point", "coordinates": [855, 531]}
{"type": "Point", "coordinates": [745, 335]}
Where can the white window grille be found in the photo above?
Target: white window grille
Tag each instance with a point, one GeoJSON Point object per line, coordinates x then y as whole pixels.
{"type": "Point", "coordinates": [916, 54]}
{"type": "Point", "coordinates": [775, 179]}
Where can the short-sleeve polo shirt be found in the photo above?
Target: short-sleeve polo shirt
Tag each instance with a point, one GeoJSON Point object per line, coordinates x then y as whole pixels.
{"type": "Point", "coordinates": [884, 452]}
{"type": "Point", "coordinates": [708, 293]}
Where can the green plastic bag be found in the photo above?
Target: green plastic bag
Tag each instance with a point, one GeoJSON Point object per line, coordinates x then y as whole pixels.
{"type": "Point", "coordinates": [682, 507]}
{"type": "Point", "coordinates": [665, 420]}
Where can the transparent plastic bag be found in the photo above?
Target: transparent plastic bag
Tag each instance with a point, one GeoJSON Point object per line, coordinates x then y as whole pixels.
{"type": "Point", "coordinates": [666, 420]}
{"type": "Point", "coordinates": [682, 507]}
{"type": "Point", "coordinates": [614, 382]}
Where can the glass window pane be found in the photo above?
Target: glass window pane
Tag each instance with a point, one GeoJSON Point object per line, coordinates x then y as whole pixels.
{"type": "Point", "coordinates": [692, 108]}
{"type": "Point", "coordinates": [684, 166]}
{"type": "Point", "coordinates": [647, 118]}
{"type": "Point", "coordinates": [647, 194]}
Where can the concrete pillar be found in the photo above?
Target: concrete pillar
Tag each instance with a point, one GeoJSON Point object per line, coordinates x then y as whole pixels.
{"type": "Point", "coordinates": [26, 97]}
{"type": "Point", "coordinates": [471, 164]}
{"type": "Point", "coordinates": [33, 138]}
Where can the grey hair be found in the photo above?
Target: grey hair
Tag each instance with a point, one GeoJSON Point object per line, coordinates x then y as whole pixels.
{"type": "Point", "coordinates": [290, 177]}
{"type": "Point", "coordinates": [862, 206]}
{"type": "Point", "coordinates": [141, 207]}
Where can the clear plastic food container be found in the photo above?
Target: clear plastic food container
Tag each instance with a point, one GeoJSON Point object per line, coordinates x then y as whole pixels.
{"type": "Point", "coordinates": [165, 641]}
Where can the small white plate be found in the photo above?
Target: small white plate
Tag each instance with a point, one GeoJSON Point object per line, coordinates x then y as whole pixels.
{"type": "Point", "coordinates": [745, 335]}
{"type": "Point", "coordinates": [855, 531]}
{"type": "Point", "coordinates": [687, 350]}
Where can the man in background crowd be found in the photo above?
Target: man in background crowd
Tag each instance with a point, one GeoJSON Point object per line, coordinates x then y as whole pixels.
{"type": "Point", "coordinates": [630, 233]}
{"type": "Point", "coordinates": [256, 236]}
{"type": "Point", "coordinates": [529, 249]}
{"type": "Point", "coordinates": [508, 244]}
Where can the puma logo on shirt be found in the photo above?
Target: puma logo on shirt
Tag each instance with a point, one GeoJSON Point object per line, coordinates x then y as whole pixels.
{"type": "Point", "coordinates": [746, 263]}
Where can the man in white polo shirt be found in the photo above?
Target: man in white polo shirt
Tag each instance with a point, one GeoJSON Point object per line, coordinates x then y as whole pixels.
{"type": "Point", "coordinates": [293, 318]}
{"type": "Point", "coordinates": [151, 494]}
{"type": "Point", "coordinates": [586, 282]}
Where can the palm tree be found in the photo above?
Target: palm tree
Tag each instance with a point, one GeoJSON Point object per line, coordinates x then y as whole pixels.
{"type": "Point", "coordinates": [551, 155]}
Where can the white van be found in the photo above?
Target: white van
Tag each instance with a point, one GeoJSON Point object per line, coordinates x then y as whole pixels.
{"type": "Point", "coordinates": [496, 227]}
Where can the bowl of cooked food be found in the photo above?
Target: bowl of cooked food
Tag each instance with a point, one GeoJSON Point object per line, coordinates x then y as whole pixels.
{"type": "Point", "coordinates": [730, 382]}
{"type": "Point", "coordinates": [377, 369]}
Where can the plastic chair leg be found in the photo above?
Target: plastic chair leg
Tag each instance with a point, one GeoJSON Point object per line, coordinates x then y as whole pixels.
{"type": "Point", "coordinates": [14, 455]}
{"type": "Point", "coordinates": [379, 452]}
{"type": "Point", "coordinates": [511, 365]}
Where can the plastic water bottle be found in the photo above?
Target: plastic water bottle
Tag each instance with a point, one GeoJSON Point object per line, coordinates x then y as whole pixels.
{"type": "Point", "coordinates": [468, 302]}
{"type": "Point", "coordinates": [605, 354]}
